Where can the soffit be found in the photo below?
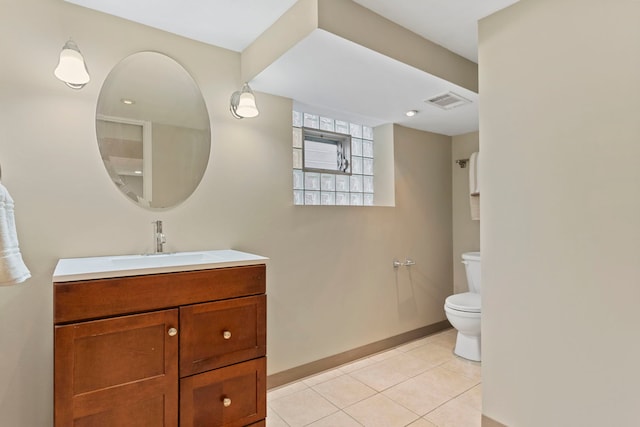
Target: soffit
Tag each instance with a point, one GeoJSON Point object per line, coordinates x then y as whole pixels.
{"type": "Point", "coordinates": [345, 80]}
{"type": "Point", "coordinates": [449, 23]}
{"type": "Point", "coordinates": [365, 84]}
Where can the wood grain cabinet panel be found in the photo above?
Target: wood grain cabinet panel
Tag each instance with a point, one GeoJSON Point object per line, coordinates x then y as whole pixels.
{"type": "Point", "coordinates": [230, 396]}
{"type": "Point", "coordinates": [106, 370]}
{"type": "Point", "coordinates": [163, 350]}
{"type": "Point", "coordinates": [91, 299]}
{"type": "Point", "coordinates": [221, 333]}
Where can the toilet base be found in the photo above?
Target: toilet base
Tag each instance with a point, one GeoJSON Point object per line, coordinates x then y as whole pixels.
{"type": "Point", "coordinates": [468, 347]}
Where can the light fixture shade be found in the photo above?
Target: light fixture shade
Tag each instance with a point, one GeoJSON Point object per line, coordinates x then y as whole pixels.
{"type": "Point", "coordinates": [71, 68]}
{"type": "Point", "coordinates": [243, 103]}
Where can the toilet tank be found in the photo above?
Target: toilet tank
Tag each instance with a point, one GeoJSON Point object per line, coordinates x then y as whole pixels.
{"type": "Point", "coordinates": [471, 261]}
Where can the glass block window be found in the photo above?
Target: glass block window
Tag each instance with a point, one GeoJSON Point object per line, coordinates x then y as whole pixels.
{"type": "Point", "coordinates": [355, 188]}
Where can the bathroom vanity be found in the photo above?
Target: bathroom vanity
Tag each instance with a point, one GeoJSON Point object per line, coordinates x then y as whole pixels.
{"type": "Point", "coordinates": [162, 340]}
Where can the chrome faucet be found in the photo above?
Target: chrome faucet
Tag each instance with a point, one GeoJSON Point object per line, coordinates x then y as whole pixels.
{"type": "Point", "coordinates": [159, 236]}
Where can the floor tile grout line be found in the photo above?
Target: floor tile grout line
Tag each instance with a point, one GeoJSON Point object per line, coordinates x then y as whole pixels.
{"type": "Point", "coordinates": [453, 398]}
{"type": "Point", "coordinates": [442, 404]}
{"type": "Point", "coordinates": [337, 372]}
{"type": "Point", "coordinates": [460, 373]}
{"type": "Point", "coordinates": [279, 416]}
{"type": "Point", "coordinates": [370, 357]}
{"type": "Point", "coordinates": [398, 403]}
{"type": "Point", "coordinates": [288, 394]}
{"type": "Point", "coordinates": [321, 396]}
{"type": "Point", "coordinates": [332, 414]}
{"type": "Point", "coordinates": [412, 377]}
{"type": "Point", "coordinates": [467, 390]}
{"type": "Point", "coordinates": [354, 403]}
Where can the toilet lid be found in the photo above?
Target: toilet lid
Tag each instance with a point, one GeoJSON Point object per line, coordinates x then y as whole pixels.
{"type": "Point", "coordinates": [468, 301]}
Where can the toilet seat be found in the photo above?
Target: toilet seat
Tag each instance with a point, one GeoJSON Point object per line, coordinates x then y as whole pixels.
{"type": "Point", "coordinates": [469, 302]}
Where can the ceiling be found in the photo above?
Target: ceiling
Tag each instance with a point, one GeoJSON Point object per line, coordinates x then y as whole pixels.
{"type": "Point", "coordinates": [229, 24]}
{"type": "Point", "coordinates": [379, 92]}
{"type": "Point", "coordinates": [334, 77]}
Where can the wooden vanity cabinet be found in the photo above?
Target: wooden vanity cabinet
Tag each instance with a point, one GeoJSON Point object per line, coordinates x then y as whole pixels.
{"type": "Point", "coordinates": [172, 349]}
{"type": "Point", "coordinates": [108, 372]}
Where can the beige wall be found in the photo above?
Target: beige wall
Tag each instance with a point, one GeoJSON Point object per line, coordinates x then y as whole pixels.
{"type": "Point", "coordinates": [384, 166]}
{"type": "Point", "coordinates": [331, 284]}
{"type": "Point", "coordinates": [560, 133]}
{"type": "Point", "coordinates": [466, 232]}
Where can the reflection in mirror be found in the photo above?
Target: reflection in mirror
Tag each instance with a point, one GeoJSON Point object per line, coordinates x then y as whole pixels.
{"type": "Point", "coordinates": [153, 130]}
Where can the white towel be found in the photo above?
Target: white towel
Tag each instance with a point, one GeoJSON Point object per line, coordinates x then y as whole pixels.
{"type": "Point", "coordinates": [474, 202]}
{"type": "Point", "coordinates": [474, 186]}
{"type": "Point", "coordinates": [12, 267]}
{"type": "Point", "coordinates": [474, 182]}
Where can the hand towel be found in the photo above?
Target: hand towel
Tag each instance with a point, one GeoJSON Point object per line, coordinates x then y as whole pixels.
{"type": "Point", "coordinates": [12, 267]}
{"type": "Point", "coordinates": [474, 182]}
{"type": "Point", "coordinates": [474, 202]}
{"type": "Point", "coordinates": [474, 186]}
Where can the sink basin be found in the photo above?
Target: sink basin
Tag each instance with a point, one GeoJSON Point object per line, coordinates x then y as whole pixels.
{"type": "Point", "coordinates": [161, 260]}
{"type": "Point", "coordinates": [74, 269]}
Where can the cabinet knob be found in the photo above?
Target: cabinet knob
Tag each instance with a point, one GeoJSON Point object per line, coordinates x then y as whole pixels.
{"type": "Point", "coordinates": [226, 335]}
{"type": "Point", "coordinates": [226, 402]}
{"type": "Point", "coordinates": [172, 332]}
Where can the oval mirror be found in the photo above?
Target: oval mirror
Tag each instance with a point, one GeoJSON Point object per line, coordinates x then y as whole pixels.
{"type": "Point", "coordinates": [153, 130]}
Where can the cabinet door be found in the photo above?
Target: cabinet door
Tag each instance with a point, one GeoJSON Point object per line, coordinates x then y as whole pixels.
{"type": "Point", "coordinates": [221, 333]}
{"type": "Point", "coordinates": [120, 372]}
{"type": "Point", "coordinates": [234, 396]}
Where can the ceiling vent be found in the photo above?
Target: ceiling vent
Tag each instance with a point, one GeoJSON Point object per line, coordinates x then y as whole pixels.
{"type": "Point", "coordinates": [448, 101]}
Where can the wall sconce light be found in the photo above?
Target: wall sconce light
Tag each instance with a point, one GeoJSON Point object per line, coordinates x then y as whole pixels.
{"type": "Point", "coordinates": [243, 103]}
{"type": "Point", "coordinates": [71, 68]}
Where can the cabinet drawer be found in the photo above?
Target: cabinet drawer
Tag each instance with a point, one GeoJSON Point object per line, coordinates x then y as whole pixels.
{"type": "Point", "coordinates": [92, 299]}
{"type": "Point", "coordinates": [222, 333]}
{"type": "Point", "coordinates": [232, 397]}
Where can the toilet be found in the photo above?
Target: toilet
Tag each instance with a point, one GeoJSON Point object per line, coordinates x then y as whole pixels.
{"type": "Point", "coordinates": [463, 310]}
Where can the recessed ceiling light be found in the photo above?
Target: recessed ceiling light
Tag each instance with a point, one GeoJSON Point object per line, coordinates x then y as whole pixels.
{"type": "Point", "coordinates": [138, 172]}
{"type": "Point", "coordinates": [128, 101]}
{"type": "Point", "coordinates": [411, 113]}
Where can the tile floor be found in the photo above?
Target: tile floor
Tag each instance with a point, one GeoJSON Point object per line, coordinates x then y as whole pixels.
{"type": "Point", "coordinates": [418, 384]}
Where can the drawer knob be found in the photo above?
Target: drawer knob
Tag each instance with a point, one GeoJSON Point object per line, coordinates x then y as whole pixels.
{"type": "Point", "coordinates": [172, 332]}
{"type": "Point", "coordinates": [226, 402]}
{"type": "Point", "coordinates": [226, 335]}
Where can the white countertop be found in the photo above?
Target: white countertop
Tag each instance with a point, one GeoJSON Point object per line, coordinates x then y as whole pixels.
{"type": "Point", "coordinates": [74, 269]}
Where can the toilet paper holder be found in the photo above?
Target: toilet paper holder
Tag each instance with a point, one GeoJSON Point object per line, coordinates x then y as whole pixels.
{"type": "Point", "coordinates": [407, 263]}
